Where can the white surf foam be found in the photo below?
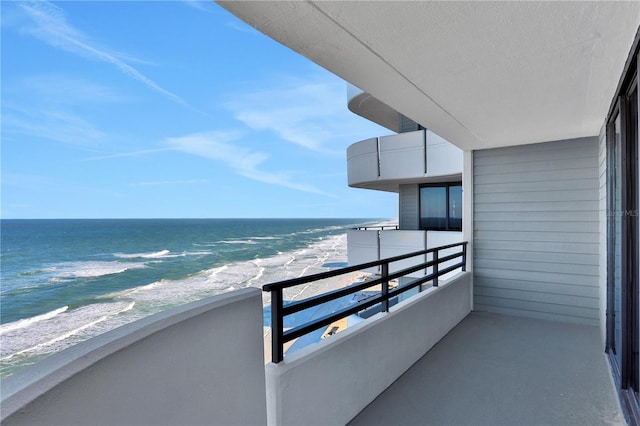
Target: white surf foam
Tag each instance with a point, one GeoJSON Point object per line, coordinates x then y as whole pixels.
{"type": "Point", "coordinates": [53, 334]}
{"type": "Point", "coordinates": [92, 269]}
{"type": "Point", "coordinates": [4, 328]}
{"type": "Point", "coordinates": [250, 242]}
{"type": "Point", "coordinates": [153, 255]}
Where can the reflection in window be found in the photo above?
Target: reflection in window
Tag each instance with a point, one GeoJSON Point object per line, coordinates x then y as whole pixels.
{"type": "Point", "coordinates": [441, 207]}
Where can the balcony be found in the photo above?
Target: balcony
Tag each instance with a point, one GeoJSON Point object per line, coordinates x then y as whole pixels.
{"type": "Point", "coordinates": [426, 360]}
{"type": "Point", "coordinates": [367, 245]}
{"type": "Point", "coordinates": [386, 162]}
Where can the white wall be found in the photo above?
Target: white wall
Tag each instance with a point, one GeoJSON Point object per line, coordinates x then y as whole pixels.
{"type": "Point", "coordinates": [200, 363]}
{"type": "Point", "coordinates": [328, 383]}
{"type": "Point", "coordinates": [467, 212]}
{"type": "Point", "coordinates": [389, 161]}
{"type": "Point", "coordinates": [370, 245]}
{"type": "Point", "coordinates": [362, 161]}
{"type": "Point", "coordinates": [403, 156]}
{"type": "Point", "coordinates": [363, 247]}
{"type": "Point", "coordinates": [443, 158]}
{"type": "Point", "coordinates": [398, 242]}
{"type": "Point", "coordinates": [444, 238]}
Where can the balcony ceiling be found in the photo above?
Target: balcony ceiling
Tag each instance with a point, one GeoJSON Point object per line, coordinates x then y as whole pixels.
{"type": "Point", "coordinates": [480, 74]}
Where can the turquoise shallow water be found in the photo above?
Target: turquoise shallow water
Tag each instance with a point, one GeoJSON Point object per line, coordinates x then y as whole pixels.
{"type": "Point", "coordinates": [63, 281]}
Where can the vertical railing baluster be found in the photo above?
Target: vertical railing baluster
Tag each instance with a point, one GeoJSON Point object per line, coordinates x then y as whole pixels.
{"type": "Point", "coordinates": [435, 268]}
{"type": "Point", "coordinates": [277, 326]}
{"type": "Point", "coordinates": [464, 256]}
{"type": "Point", "coordinates": [385, 287]}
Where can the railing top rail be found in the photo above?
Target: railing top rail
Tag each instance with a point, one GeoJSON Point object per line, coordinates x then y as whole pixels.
{"type": "Point", "coordinates": [380, 227]}
{"type": "Point", "coordinates": [330, 274]}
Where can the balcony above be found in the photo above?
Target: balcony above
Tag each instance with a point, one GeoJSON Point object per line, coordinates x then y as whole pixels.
{"type": "Point", "coordinates": [365, 105]}
{"type": "Point", "coordinates": [386, 162]}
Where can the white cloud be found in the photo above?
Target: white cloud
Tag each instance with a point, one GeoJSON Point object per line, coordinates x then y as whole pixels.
{"type": "Point", "coordinates": [307, 112]}
{"type": "Point", "coordinates": [137, 153]}
{"type": "Point", "coordinates": [61, 89]}
{"type": "Point", "coordinates": [171, 182]}
{"type": "Point", "coordinates": [53, 28]}
{"type": "Point", "coordinates": [61, 126]}
{"type": "Point", "coordinates": [203, 5]}
{"type": "Point", "coordinates": [217, 146]}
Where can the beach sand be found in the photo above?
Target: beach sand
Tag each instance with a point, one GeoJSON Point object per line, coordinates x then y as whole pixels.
{"type": "Point", "coordinates": [309, 290]}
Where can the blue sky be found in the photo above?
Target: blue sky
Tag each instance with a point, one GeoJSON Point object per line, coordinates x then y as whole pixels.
{"type": "Point", "coordinates": [169, 109]}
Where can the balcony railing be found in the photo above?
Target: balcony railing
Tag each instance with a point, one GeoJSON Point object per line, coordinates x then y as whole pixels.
{"type": "Point", "coordinates": [278, 310]}
{"type": "Point", "coordinates": [379, 227]}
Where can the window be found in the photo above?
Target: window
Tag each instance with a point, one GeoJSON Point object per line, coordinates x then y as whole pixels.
{"type": "Point", "coordinates": [441, 207]}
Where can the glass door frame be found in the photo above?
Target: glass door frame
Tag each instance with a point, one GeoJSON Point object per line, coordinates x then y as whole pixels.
{"type": "Point", "coordinates": [623, 355]}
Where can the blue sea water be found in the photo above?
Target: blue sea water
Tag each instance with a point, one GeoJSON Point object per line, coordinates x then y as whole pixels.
{"type": "Point", "coordinates": [64, 281]}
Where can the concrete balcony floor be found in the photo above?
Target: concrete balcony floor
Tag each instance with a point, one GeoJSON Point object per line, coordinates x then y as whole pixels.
{"type": "Point", "coordinates": [502, 370]}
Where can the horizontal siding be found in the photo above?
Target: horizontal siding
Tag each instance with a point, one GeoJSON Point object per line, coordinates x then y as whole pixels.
{"type": "Point", "coordinates": [536, 230]}
{"type": "Point", "coordinates": [409, 209]}
{"type": "Point", "coordinates": [519, 187]}
{"type": "Point", "coordinates": [537, 286]}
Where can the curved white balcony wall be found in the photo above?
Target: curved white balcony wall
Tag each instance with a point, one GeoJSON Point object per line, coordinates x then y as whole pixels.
{"type": "Point", "coordinates": [200, 363]}
{"type": "Point", "coordinates": [397, 243]}
{"type": "Point", "coordinates": [362, 161]}
{"type": "Point", "coordinates": [414, 157]}
{"type": "Point", "coordinates": [363, 246]}
{"type": "Point", "coordinates": [370, 245]}
{"type": "Point", "coordinates": [443, 158]}
{"type": "Point", "coordinates": [403, 156]}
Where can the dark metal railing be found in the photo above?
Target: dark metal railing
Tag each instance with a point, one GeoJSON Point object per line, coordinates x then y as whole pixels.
{"type": "Point", "coordinates": [278, 310]}
{"type": "Point", "coordinates": [379, 227]}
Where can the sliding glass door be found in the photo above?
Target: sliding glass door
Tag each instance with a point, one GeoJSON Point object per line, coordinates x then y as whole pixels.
{"type": "Point", "coordinates": [623, 319]}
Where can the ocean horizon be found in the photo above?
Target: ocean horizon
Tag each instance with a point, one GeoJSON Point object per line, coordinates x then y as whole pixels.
{"type": "Point", "coordinates": [63, 281]}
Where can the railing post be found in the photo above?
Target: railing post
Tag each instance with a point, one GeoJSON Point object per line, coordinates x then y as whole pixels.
{"type": "Point", "coordinates": [378, 154]}
{"type": "Point", "coordinates": [385, 287]}
{"type": "Point", "coordinates": [277, 326]}
{"type": "Point", "coordinates": [435, 268]}
{"type": "Point", "coordinates": [464, 257]}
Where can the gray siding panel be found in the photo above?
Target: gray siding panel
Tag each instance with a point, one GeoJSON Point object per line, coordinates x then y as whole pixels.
{"type": "Point", "coordinates": [409, 213]}
{"type": "Point", "coordinates": [536, 230]}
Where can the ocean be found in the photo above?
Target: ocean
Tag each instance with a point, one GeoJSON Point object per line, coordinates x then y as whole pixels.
{"type": "Point", "coordinates": [64, 281]}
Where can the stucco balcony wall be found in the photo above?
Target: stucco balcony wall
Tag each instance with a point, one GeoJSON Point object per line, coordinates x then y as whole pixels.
{"type": "Point", "coordinates": [200, 363]}
{"type": "Point", "coordinates": [329, 382]}
{"type": "Point", "coordinates": [386, 162]}
{"type": "Point", "coordinates": [370, 245]}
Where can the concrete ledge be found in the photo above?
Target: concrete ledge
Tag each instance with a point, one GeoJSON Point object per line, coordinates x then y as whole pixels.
{"type": "Point", "coordinates": [200, 363]}
{"type": "Point", "coordinates": [330, 382]}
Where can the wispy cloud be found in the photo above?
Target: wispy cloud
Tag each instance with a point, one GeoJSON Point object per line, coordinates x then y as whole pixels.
{"type": "Point", "coordinates": [204, 5]}
{"type": "Point", "coordinates": [308, 112]}
{"type": "Point", "coordinates": [65, 90]}
{"type": "Point", "coordinates": [57, 125]}
{"type": "Point", "coordinates": [243, 28]}
{"type": "Point", "coordinates": [138, 153]}
{"type": "Point", "coordinates": [218, 146]}
{"type": "Point", "coordinates": [171, 182]}
{"type": "Point", "coordinates": [52, 107]}
{"type": "Point", "coordinates": [52, 27]}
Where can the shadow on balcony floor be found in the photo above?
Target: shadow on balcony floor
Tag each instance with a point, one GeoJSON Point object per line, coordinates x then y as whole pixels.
{"type": "Point", "coordinates": [501, 370]}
